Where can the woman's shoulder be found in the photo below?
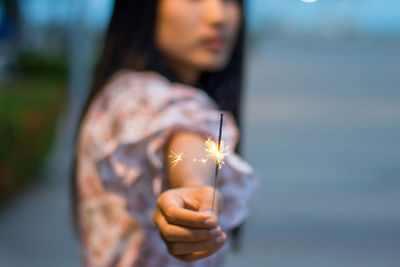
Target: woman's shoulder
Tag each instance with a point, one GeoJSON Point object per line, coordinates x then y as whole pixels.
{"type": "Point", "coordinates": [126, 79]}
{"type": "Point", "coordinates": [134, 79]}
{"type": "Point", "coordinates": [136, 105]}
{"type": "Point", "coordinates": [127, 88]}
{"type": "Point", "coordinates": [142, 93]}
{"type": "Point", "coordinates": [148, 87]}
{"type": "Point", "coordinates": [123, 100]}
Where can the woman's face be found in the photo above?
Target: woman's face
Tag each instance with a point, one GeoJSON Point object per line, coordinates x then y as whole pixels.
{"type": "Point", "coordinates": [197, 34]}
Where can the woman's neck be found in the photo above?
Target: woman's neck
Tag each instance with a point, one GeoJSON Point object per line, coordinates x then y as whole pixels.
{"type": "Point", "coordinates": [187, 74]}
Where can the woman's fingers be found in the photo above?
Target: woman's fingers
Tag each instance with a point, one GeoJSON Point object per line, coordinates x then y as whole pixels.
{"type": "Point", "coordinates": [176, 233]}
{"type": "Point", "coordinates": [195, 256]}
{"type": "Point", "coordinates": [185, 217]}
{"type": "Point", "coordinates": [189, 234]}
{"type": "Point", "coordinates": [208, 247]}
{"type": "Point", "coordinates": [172, 203]}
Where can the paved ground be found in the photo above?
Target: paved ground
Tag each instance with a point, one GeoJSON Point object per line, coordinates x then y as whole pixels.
{"type": "Point", "coordinates": [323, 133]}
{"type": "Point", "coordinates": [323, 128]}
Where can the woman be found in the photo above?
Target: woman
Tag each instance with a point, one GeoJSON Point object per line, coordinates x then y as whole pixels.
{"type": "Point", "coordinates": [168, 69]}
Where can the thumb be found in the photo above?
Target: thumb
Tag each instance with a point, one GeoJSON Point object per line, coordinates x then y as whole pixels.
{"type": "Point", "coordinates": [207, 206]}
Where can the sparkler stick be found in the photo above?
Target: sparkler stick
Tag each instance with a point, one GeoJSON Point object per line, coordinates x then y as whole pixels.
{"type": "Point", "coordinates": [217, 161]}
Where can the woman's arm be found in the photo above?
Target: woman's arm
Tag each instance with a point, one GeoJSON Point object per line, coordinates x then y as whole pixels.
{"type": "Point", "coordinates": [188, 172]}
{"type": "Point", "coordinates": [189, 232]}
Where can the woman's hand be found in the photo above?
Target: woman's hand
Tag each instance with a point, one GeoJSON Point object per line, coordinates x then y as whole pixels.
{"type": "Point", "coordinates": [187, 226]}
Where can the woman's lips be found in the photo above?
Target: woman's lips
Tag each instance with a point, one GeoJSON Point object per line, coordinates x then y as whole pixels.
{"type": "Point", "coordinates": [215, 44]}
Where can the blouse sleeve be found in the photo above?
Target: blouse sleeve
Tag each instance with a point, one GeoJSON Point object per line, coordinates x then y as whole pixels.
{"type": "Point", "coordinates": [129, 126]}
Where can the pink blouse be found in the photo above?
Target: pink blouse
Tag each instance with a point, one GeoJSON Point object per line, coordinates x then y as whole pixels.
{"type": "Point", "coordinates": [121, 168]}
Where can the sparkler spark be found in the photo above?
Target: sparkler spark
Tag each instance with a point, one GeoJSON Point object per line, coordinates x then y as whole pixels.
{"type": "Point", "coordinates": [202, 160]}
{"type": "Point", "coordinates": [176, 157]}
{"type": "Point", "coordinates": [214, 153]}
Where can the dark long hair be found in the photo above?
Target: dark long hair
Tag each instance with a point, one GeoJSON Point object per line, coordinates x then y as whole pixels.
{"type": "Point", "coordinates": [130, 44]}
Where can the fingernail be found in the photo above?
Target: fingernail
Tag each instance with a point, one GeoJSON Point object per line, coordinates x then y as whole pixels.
{"type": "Point", "coordinates": [210, 222]}
{"type": "Point", "coordinates": [209, 211]}
{"type": "Point", "coordinates": [215, 232]}
{"type": "Point", "coordinates": [220, 239]}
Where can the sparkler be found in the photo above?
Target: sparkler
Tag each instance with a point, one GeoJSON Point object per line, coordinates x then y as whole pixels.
{"type": "Point", "coordinates": [213, 150]}
{"type": "Point", "coordinates": [219, 158]}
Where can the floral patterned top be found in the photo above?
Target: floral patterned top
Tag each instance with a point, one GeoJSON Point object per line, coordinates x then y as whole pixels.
{"type": "Point", "coordinates": [121, 168]}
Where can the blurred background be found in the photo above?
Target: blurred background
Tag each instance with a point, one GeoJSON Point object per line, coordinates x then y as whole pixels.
{"type": "Point", "coordinates": [321, 129]}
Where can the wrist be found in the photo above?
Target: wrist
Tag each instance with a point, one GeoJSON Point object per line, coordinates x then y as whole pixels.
{"type": "Point", "coordinates": [193, 183]}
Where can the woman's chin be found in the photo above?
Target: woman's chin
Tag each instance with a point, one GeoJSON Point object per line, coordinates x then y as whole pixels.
{"type": "Point", "coordinates": [213, 66]}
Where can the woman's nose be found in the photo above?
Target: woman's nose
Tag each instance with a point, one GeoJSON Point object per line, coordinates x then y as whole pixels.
{"type": "Point", "coordinates": [214, 11]}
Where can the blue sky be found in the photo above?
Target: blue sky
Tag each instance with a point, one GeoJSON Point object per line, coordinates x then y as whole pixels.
{"type": "Point", "coordinates": [376, 17]}
{"type": "Point", "coordinates": [370, 16]}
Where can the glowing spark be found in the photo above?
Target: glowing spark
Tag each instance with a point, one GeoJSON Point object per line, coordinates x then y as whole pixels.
{"type": "Point", "coordinates": [176, 157]}
{"type": "Point", "coordinates": [215, 153]}
{"type": "Point", "coordinates": [309, 1]}
{"type": "Point", "coordinates": [212, 151]}
{"type": "Point", "coordinates": [202, 160]}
